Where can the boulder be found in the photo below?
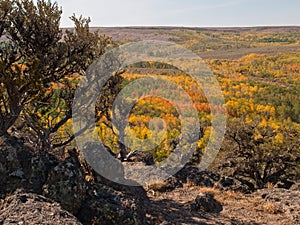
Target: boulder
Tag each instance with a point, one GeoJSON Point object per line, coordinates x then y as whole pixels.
{"type": "Point", "coordinates": [14, 164]}
{"type": "Point", "coordinates": [41, 164]}
{"type": "Point", "coordinates": [106, 205]}
{"type": "Point", "coordinates": [27, 208]}
{"type": "Point", "coordinates": [206, 202]}
{"type": "Point", "coordinates": [64, 186]}
{"type": "Point", "coordinates": [22, 167]}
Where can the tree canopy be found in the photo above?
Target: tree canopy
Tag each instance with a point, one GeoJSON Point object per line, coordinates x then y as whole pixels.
{"type": "Point", "coordinates": [39, 63]}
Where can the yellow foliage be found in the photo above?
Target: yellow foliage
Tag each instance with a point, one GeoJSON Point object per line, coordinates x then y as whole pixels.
{"type": "Point", "coordinates": [279, 138]}
{"type": "Point", "coordinates": [263, 123]}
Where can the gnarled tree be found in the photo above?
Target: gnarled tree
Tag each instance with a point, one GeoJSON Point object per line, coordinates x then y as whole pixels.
{"type": "Point", "coordinates": [38, 64]}
{"type": "Point", "coordinates": [260, 154]}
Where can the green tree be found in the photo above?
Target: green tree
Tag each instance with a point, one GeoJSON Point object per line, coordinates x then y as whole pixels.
{"type": "Point", "coordinates": [259, 154]}
{"type": "Point", "coordinates": [35, 54]}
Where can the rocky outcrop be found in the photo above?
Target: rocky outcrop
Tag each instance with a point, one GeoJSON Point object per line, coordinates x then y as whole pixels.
{"type": "Point", "coordinates": [25, 208]}
{"type": "Point", "coordinates": [14, 164]}
{"type": "Point", "coordinates": [66, 184]}
{"type": "Point", "coordinates": [22, 167]}
{"type": "Point", "coordinates": [63, 184]}
{"type": "Point", "coordinates": [106, 205]}
{"type": "Point", "coordinates": [67, 190]}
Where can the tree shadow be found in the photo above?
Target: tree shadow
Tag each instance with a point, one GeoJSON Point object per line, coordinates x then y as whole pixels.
{"type": "Point", "coordinates": [171, 212]}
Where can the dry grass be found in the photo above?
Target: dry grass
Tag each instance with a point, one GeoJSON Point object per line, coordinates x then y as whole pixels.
{"type": "Point", "coordinates": [213, 191]}
{"type": "Point", "coordinates": [271, 208]}
{"type": "Point", "coordinates": [237, 206]}
{"type": "Point", "coordinates": [157, 186]}
{"type": "Point", "coordinates": [228, 196]}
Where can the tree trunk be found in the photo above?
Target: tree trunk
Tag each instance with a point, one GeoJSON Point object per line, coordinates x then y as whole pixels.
{"type": "Point", "coordinates": [123, 151]}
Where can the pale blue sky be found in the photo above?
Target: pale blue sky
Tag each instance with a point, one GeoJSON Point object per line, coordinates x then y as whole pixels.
{"type": "Point", "coordinates": [192, 13]}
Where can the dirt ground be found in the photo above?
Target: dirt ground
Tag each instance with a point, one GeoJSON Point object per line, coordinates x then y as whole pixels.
{"type": "Point", "coordinates": [174, 208]}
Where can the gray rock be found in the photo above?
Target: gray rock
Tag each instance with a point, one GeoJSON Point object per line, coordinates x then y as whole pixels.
{"type": "Point", "coordinates": [63, 183]}
{"type": "Point", "coordinates": [15, 166]}
{"type": "Point", "coordinates": [25, 208]}
{"type": "Point", "coordinates": [19, 173]}
{"type": "Point", "coordinates": [66, 185]}
{"type": "Point", "coordinates": [41, 165]}
{"type": "Point", "coordinates": [106, 205]}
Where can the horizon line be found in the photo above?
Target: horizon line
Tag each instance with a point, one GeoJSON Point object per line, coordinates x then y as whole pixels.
{"type": "Point", "coordinates": [193, 27]}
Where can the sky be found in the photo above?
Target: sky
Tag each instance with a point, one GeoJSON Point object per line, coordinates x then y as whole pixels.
{"type": "Point", "coordinates": [188, 13]}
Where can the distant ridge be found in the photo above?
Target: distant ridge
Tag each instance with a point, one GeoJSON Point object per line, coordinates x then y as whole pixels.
{"type": "Point", "coordinates": [207, 29]}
